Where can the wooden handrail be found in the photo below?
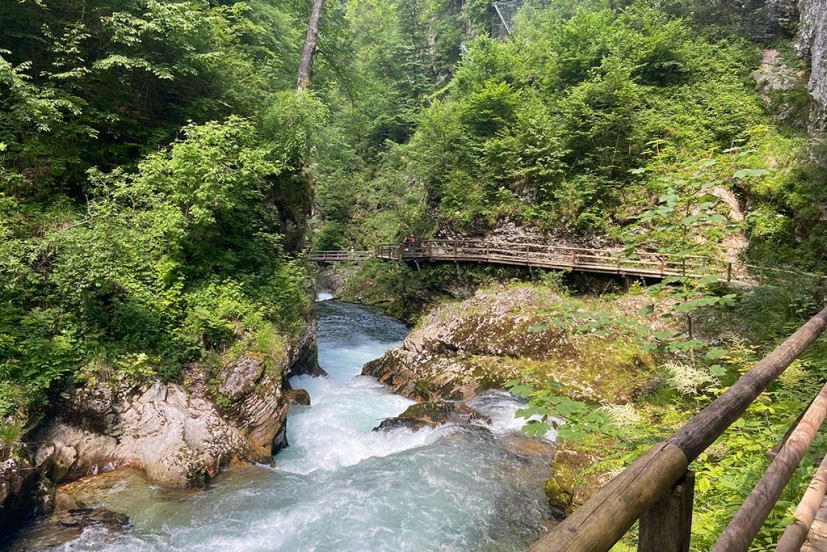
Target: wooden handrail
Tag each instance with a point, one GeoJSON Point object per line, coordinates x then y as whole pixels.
{"type": "Point", "coordinates": [603, 520]}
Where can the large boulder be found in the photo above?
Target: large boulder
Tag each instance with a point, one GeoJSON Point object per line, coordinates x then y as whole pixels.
{"type": "Point", "coordinates": [461, 349]}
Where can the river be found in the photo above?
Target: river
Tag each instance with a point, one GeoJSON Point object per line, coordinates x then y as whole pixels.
{"type": "Point", "coordinates": [340, 486]}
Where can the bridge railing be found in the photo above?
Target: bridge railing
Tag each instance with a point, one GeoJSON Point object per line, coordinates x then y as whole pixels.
{"type": "Point", "coordinates": [335, 256]}
{"type": "Point", "coordinates": [657, 488]}
{"type": "Point", "coordinates": [606, 261]}
{"type": "Point", "coordinates": [553, 256]}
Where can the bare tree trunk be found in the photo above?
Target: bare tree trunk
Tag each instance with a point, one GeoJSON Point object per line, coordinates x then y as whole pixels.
{"type": "Point", "coordinates": [306, 63]}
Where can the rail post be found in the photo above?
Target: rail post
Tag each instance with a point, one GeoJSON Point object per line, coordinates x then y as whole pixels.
{"type": "Point", "coordinates": [683, 266]}
{"type": "Point", "coordinates": [729, 272]}
{"type": "Point", "coordinates": [667, 525]}
{"type": "Point", "coordinates": [662, 265]}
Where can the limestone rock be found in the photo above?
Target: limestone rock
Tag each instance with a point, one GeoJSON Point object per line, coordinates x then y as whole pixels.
{"type": "Point", "coordinates": [178, 435]}
{"type": "Point", "coordinates": [812, 46]}
{"type": "Point", "coordinates": [462, 349]}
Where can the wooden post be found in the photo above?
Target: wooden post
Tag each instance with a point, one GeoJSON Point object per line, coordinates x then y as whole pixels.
{"type": "Point", "coordinates": [667, 525]}
{"type": "Point", "coordinates": [683, 266]}
{"type": "Point", "coordinates": [662, 265]}
{"type": "Point", "coordinates": [599, 523]}
{"type": "Point", "coordinates": [729, 272]}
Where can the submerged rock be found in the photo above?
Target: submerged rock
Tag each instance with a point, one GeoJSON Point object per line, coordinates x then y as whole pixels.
{"type": "Point", "coordinates": [433, 413]}
{"type": "Point", "coordinates": [74, 515]}
{"type": "Point", "coordinates": [298, 396]}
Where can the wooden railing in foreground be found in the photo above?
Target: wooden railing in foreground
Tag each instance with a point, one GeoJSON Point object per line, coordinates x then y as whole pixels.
{"type": "Point", "coordinates": [657, 488]}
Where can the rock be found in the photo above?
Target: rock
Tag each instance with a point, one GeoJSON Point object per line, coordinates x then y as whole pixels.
{"type": "Point", "coordinates": [462, 349]}
{"type": "Point", "coordinates": [18, 493]}
{"type": "Point", "coordinates": [812, 46]}
{"type": "Point", "coordinates": [774, 77]}
{"type": "Point", "coordinates": [178, 435]}
{"type": "Point", "coordinates": [298, 396]}
{"type": "Point", "coordinates": [240, 377]}
{"type": "Point", "coordinates": [567, 488]}
{"type": "Point", "coordinates": [177, 439]}
{"type": "Point", "coordinates": [434, 413]}
{"type": "Point", "coordinates": [67, 525]}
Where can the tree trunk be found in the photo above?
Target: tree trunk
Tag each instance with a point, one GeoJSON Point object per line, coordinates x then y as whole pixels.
{"type": "Point", "coordinates": [306, 63]}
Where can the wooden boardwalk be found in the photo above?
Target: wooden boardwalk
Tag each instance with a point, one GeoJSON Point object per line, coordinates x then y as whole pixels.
{"type": "Point", "coordinates": [598, 261]}
{"type": "Point", "coordinates": [326, 257]}
{"type": "Point", "coordinates": [581, 259]}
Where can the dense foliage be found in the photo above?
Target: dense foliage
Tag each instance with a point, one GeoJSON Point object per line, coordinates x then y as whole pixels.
{"type": "Point", "coordinates": [157, 169]}
{"type": "Point", "coordinates": [550, 130]}
{"type": "Point", "coordinates": [153, 188]}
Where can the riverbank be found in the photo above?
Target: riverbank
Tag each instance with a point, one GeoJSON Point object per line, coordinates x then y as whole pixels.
{"type": "Point", "coordinates": [472, 485]}
{"type": "Point", "coordinates": [177, 434]}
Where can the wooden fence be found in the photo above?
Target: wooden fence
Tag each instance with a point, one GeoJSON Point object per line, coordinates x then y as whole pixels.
{"type": "Point", "coordinates": [657, 488]}
{"type": "Point", "coordinates": [602, 261]}
{"type": "Point", "coordinates": [339, 256]}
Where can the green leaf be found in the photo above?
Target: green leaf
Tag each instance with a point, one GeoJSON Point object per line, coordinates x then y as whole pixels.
{"type": "Point", "coordinates": [535, 428]}
{"type": "Point", "coordinates": [715, 353]}
{"type": "Point", "coordinates": [717, 370]}
{"type": "Point", "coordinates": [663, 335]}
{"type": "Point", "coordinates": [750, 173]}
{"type": "Point", "coordinates": [538, 327]}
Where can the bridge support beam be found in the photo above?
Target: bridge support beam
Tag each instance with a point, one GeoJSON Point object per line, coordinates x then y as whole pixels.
{"type": "Point", "coordinates": [667, 525]}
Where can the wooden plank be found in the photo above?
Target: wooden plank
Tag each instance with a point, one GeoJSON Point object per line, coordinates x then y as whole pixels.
{"type": "Point", "coordinates": [667, 525]}
{"type": "Point", "coordinates": [739, 534]}
{"type": "Point", "coordinates": [805, 513]}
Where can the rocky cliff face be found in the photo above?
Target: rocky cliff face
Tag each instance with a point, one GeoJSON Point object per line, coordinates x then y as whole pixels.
{"type": "Point", "coordinates": [812, 46]}
{"type": "Point", "coordinates": [178, 434]}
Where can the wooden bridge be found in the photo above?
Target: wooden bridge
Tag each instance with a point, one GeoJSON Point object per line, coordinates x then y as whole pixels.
{"type": "Point", "coordinates": [581, 259]}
